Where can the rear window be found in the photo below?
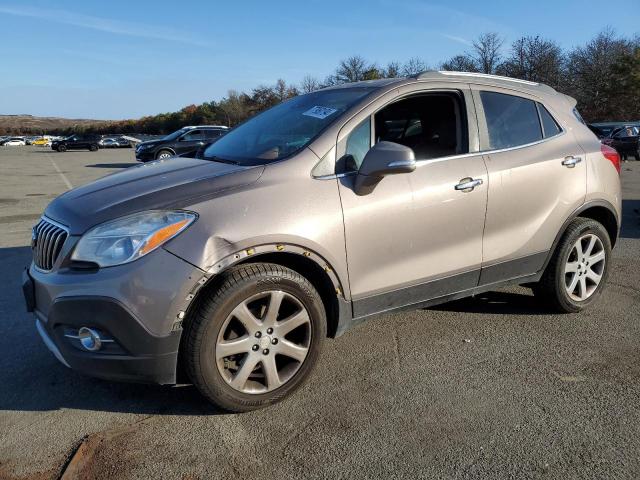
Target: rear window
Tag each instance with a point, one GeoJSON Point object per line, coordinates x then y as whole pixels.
{"type": "Point", "coordinates": [511, 121]}
{"type": "Point", "coordinates": [550, 127]}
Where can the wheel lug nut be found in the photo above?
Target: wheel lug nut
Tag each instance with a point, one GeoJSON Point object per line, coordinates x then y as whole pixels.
{"type": "Point", "coordinates": [269, 331]}
{"type": "Point", "coordinates": [274, 341]}
{"type": "Point", "coordinates": [265, 351]}
{"type": "Point", "coordinates": [255, 347]}
{"type": "Point", "coordinates": [258, 334]}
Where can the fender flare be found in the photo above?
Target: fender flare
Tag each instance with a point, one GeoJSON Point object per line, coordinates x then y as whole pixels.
{"type": "Point", "coordinates": [576, 213]}
{"type": "Point", "coordinates": [239, 256]}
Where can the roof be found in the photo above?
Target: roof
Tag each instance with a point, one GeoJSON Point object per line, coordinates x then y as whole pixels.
{"type": "Point", "coordinates": [486, 79]}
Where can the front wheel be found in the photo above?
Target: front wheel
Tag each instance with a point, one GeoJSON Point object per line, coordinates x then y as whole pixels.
{"type": "Point", "coordinates": [256, 338]}
{"type": "Point", "coordinates": [93, 148]}
{"type": "Point", "coordinates": [163, 154]}
{"type": "Point", "coordinates": [579, 267]}
{"type": "Point", "coordinates": [62, 148]}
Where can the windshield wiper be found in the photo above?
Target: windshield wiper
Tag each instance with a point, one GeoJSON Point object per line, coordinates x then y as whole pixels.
{"type": "Point", "coordinates": [222, 160]}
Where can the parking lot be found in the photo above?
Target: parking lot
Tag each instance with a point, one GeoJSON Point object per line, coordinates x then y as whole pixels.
{"type": "Point", "coordinates": [489, 387]}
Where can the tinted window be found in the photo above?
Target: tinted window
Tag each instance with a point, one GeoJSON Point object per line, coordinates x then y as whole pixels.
{"type": "Point", "coordinates": [193, 136]}
{"type": "Point", "coordinates": [511, 121]}
{"type": "Point", "coordinates": [213, 133]}
{"type": "Point", "coordinates": [286, 128]}
{"type": "Point", "coordinates": [358, 144]}
{"type": "Point", "coordinates": [549, 125]}
{"type": "Point", "coordinates": [430, 124]}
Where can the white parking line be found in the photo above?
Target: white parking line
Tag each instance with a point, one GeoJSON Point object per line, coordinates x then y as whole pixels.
{"type": "Point", "coordinates": [64, 177]}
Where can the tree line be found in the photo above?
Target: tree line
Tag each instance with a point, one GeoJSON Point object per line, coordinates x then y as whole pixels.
{"type": "Point", "coordinates": [603, 75]}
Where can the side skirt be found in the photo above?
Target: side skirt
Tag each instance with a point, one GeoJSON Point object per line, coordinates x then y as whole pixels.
{"type": "Point", "coordinates": [528, 269]}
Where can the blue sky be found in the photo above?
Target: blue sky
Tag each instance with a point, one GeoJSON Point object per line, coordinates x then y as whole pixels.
{"type": "Point", "coordinates": [125, 59]}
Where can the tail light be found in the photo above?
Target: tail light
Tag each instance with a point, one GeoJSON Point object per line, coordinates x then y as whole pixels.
{"type": "Point", "coordinates": [612, 155]}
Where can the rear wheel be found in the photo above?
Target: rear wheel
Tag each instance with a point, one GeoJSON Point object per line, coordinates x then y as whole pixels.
{"type": "Point", "coordinates": [62, 148]}
{"type": "Point", "coordinates": [93, 148]}
{"type": "Point", "coordinates": [256, 338]}
{"type": "Point", "coordinates": [579, 267]}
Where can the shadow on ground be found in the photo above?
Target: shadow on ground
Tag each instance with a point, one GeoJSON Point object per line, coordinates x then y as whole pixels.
{"type": "Point", "coordinates": [630, 219]}
{"type": "Point", "coordinates": [500, 303]}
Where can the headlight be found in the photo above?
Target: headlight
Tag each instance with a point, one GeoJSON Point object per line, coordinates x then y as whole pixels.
{"type": "Point", "coordinates": [128, 238]}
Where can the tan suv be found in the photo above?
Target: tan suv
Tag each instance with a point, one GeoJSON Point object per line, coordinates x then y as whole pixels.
{"type": "Point", "coordinates": [315, 215]}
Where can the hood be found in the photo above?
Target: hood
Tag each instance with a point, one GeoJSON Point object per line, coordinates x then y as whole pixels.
{"type": "Point", "coordinates": [172, 183]}
{"type": "Point", "coordinates": [149, 142]}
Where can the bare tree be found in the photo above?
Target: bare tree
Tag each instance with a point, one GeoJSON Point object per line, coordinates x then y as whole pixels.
{"type": "Point", "coordinates": [459, 63]}
{"type": "Point", "coordinates": [392, 70]}
{"type": "Point", "coordinates": [309, 84]}
{"type": "Point", "coordinates": [589, 74]}
{"type": "Point", "coordinates": [535, 59]}
{"type": "Point", "coordinates": [486, 52]}
{"type": "Point", "coordinates": [413, 66]}
{"type": "Point", "coordinates": [352, 69]}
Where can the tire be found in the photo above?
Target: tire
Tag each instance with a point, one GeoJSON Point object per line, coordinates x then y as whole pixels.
{"type": "Point", "coordinates": [93, 148]}
{"type": "Point", "coordinates": [62, 148]}
{"type": "Point", "coordinates": [636, 156]}
{"type": "Point", "coordinates": [163, 154]}
{"type": "Point", "coordinates": [241, 382]}
{"type": "Point", "coordinates": [570, 268]}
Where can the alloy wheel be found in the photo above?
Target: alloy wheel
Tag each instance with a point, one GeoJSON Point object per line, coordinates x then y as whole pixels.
{"type": "Point", "coordinates": [263, 342]}
{"type": "Point", "coordinates": [584, 267]}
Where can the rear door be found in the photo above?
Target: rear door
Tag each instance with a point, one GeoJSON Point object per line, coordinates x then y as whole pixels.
{"type": "Point", "coordinates": [537, 178]}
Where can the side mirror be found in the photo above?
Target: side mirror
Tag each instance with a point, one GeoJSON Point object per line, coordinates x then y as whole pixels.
{"type": "Point", "coordinates": [384, 158]}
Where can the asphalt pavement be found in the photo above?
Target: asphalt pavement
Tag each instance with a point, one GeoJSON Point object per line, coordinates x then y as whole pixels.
{"type": "Point", "coordinates": [490, 387]}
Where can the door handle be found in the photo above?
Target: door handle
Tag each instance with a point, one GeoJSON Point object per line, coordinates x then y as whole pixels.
{"type": "Point", "coordinates": [571, 161]}
{"type": "Point", "coordinates": [468, 184]}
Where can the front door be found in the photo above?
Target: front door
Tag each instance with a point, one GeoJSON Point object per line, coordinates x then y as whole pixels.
{"type": "Point", "coordinates": [190, 142]}
{"type": "Point", "coordinates": [417, 236]}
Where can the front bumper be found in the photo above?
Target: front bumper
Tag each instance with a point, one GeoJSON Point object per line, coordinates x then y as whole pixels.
{"type": "Point", "coordinates": [145, 155]}
{"type": "Point", "coordinates": [136, 306]}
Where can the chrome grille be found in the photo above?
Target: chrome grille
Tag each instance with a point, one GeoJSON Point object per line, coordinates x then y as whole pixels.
{"type": "Point", "coordinates": [47, 239]}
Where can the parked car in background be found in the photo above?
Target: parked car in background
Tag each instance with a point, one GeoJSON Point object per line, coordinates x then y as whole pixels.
{"type": "Point", "coordinates": [14, 142]}
{"type": "Point", "coordinates": [108, 143]}
{"type": "Point", "coordinates": [625, 140]}
{"type": "Point", "coordinates": [123, 142]}
{"type": "Point", "coordinates": [184, 142]}
{"type": "Point", "coordinates": [42, 142]}
{"type": "Point", "coordinates": [77, 142]}
{"type": "Point", "coordinates": [315, 215]}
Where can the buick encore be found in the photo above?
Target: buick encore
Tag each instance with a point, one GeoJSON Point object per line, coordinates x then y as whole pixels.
{"type": "Point", "coordinates": [229, 271]}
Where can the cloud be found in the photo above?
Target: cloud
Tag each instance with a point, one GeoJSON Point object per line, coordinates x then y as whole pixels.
{"type": "Point", "coordinates": [457, 39]}
{"type": "Point", "coordinates": [101, 24]}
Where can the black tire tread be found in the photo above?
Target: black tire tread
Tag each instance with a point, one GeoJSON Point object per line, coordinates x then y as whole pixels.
{"type": "Point", "coordinates": [194, 332]}
{"type": "Point", "coordinates": [547, 287]}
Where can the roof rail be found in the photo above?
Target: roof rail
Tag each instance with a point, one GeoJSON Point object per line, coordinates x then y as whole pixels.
{"type": "Point", "coordinates": [446, 73]}
{"type": "Point", "coordinates": [201, 126]}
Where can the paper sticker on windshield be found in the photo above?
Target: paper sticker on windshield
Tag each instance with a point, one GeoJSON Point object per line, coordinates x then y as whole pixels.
{"type": "Point", "coordinates": [319, 112]}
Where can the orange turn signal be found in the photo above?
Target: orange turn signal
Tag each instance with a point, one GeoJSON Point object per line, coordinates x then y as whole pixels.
{"type": "Point", "coordinates": [162, 235]}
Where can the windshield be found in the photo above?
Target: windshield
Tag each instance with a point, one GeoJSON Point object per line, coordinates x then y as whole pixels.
{"type": "Point", "coordinates": [174, 135]}
{"type": "Point", "coordinates": [284, 129]}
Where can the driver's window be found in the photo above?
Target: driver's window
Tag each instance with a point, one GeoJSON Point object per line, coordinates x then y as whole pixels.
{"type": "Point", "coordinates": [358, 144]}
{"type": "Point", "coordinates": [193, 136]}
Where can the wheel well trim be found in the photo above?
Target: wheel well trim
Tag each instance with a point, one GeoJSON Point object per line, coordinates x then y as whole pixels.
{"type": "Point", "coordinates": [576, 213]}
{"type": "Point", "coordinates": [278, 248]}
{"type": "Point", "coordinates": [169, 149]}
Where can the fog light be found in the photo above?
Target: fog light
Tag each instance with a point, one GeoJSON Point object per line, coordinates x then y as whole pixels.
{"type": "Point", "coordinates": [89, 339]}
